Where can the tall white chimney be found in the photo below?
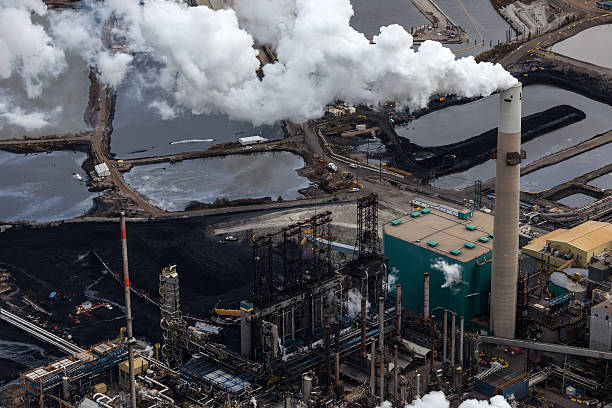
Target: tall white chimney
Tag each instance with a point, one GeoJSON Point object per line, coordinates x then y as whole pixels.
{"type": "Point", "coordinates": [504, 275]}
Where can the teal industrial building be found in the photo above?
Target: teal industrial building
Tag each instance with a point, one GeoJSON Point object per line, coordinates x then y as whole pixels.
{"type": "Point", "coordinates": [434, 238]}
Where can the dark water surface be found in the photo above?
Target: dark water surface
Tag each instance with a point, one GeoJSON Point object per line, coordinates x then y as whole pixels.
{"type": "Point", "coordinates": [604, 181]}
{"type": "Point", "coordinates": [488, 23]}
{"type": "Point", "coordinates": [64, 98]}
{"type": "Point", "coordinates": [577, 200]}
{"type": "Point", "coordinates": [462, 121]}
{"type": "Point", "coordinates": [568, 169]}
{"type": "Point", "coordinates": [370, 15]}
{"type": "Point", "coordinates": [173, 186]}
{"type": "Point", "coordinates": [139, 131]}
{"type": "Point", "coordinates": [42, 187]}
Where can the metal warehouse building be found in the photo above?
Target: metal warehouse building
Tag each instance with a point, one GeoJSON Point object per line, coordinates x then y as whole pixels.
{"type": "Point", "coordinates": [576, 247]}
{"type": "Point", "coordinates": [435, 234]}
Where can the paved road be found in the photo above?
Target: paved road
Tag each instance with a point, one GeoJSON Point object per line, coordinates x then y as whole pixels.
{"type": "Point", "coordinates": [537, 47]}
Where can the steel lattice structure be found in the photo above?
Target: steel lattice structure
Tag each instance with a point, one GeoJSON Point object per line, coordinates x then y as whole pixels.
{"type": "Point", "coordinates": [268, 281]}
{"type": "Point", "coordinates": [368, 242]}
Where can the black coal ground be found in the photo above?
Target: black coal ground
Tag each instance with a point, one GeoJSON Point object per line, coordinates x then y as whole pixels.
{"type": "Point", "coordinates": [60, 259]}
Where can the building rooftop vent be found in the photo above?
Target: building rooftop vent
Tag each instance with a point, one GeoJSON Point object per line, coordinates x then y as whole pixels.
{"type": "Point", "coordinates": [425, 210]}
{"type": "Point", "coordinates": [471, 227]}
{"type": "Point", "coordinates": [432, 243]}
{"type": "Point", "coordinates": [396, 222]}
{"type": "Point", "coordinates": [469, 245]}
{"type": "Point", "coordinates": [455, 251]}
{"type": "Point", "coordinates": [415, 214]}
{"type": "Point", "coordinates": [483, 239]}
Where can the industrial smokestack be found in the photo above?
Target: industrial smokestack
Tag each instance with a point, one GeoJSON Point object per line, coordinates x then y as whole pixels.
{"type": "Point", "coordinates": [381, 324]}
{"type": "Point", "coordinates": [128, 312]}
{"type": "Point", "coordinates": [381, 334]}
{"type": "Point", "coordinates": [373, 367]}
{"type": "Point", "coordinates": [363, 327]}
{"type": "Point", "coordinates": [444, 336]}
{"type": "Point", "coordinates": [326, 340]}
{"type": "Point", "coordinates": [461, 334]}
{"type": "Point", "coordinates": [426, 295]}
{"type": "Point", "coordinates": [398, 309]}
{"type": "Point", "coordinates": [395, 371]}
{"type": "Point", "coordinates": [453, 339]}
{"type": "Point", "coordinates": [504, 274]}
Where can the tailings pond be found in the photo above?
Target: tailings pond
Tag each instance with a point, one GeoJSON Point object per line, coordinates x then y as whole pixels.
{"type": "Point", "coordinates": [483, 15]}
{"type": "Point", "coordinates": [577, 200]}
{"type": "Point", "coordinates": [62, 103]}
{"type": "Point", "coordinates": [604, 182]}
{"type": "Point", "coordinates": [370, 15]}
{"type": "Point", "coordinates": [172, 187]}
{"type": "Point", "coordinates": [460, 122]}
{"type": "Point", "coordinates": [567, 169]}
{"type": "Point", "coordinates": [139, 131]}
{"type": "Point", "coordinates": [42, 186]}
{"type": "Point", "coordinates": [591, 45]}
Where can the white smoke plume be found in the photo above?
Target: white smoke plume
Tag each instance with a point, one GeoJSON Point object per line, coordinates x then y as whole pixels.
{"type": "Point", "coordinates": [15, 116]}
{"type": "Point", "coordinates": [436, 399]}
{"type": "Point", "coordinates": [209, 64]}
{"type": "Point", "coordinates": [26, 49]}
{"type": "Point", "coordinates": [266, 20]}
{"type": "Point", "coordinates": [392, 279]}
{"type": "Point", "coordinates": [353, 303]}
{"type": "Point", "coordinates": [452, 272]}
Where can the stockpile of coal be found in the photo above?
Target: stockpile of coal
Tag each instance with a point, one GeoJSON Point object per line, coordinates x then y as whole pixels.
{"type": "Point", "coordinates": [62, 259]}
{"type": "Point", "coordinates": [455, 157]}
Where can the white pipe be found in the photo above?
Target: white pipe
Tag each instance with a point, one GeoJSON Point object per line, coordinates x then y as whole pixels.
{"type": "Point", "coordinates": [161, 392]}
{"type": "Point", "coordinates": [98, 397]}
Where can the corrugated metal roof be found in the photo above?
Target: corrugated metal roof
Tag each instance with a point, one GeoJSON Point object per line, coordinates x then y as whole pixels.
{"type": "Point", "coordinates": [586, 237]}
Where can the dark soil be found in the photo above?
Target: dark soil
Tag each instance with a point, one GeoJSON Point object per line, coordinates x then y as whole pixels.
{"type": "Point", "coordinates": [61, 259]}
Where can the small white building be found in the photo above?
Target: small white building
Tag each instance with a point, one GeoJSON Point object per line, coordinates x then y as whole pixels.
{"type": "Point", "coordinates": [102, 170]}
{"type": "Point", "coordinates": [251, 140]}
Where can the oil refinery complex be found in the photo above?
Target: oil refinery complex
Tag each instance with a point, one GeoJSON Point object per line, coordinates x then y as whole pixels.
{"type": "Point", "coordinates": [371, 286]}
{"type": "Point", "coordinates": [441, 298]}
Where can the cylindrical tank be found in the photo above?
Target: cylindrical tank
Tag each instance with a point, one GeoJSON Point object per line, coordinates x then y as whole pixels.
{"type": "Point", "coordinates": [417, 386]}
{"type": "Point", "coordinates": [504, 275]}
{"type": "Point", "coordinates": [559, 284]}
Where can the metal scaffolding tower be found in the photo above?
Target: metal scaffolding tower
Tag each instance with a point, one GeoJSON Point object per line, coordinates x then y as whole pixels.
{"type": "Point", "coordinates": [171, 323]}
{"type": "Point", "coordinates": [368, 242]}
{"type": "Point", "coordinates": [477, 194]}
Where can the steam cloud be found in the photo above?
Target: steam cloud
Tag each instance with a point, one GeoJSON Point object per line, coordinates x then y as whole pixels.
{"type": "Point", "coordinates": [392, 280]}
{"type": "Point", "coordinates": [436, 399]}
{"type": "Point", "coordinates": [353, 303]}
{"type": "Point", "coordinates": [209, 64]}
{"type": "Point", "coordinates": [452, 273]}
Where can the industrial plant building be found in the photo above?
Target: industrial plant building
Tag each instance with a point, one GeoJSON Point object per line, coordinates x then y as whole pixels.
{"type": "Point", "coordinates": [434, 238]}
{"type": "Point", "coordinates": [578, 246]}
